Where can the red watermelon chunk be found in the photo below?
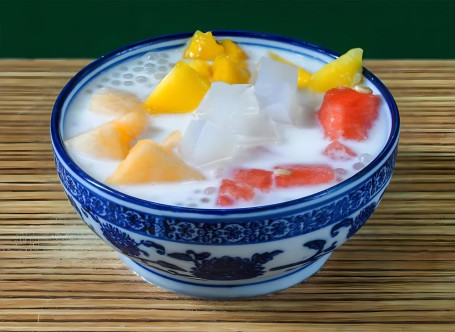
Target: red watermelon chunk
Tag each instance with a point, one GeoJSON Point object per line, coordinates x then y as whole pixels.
{"type": "Point", "coordinates": [346, 113]}
{"type": "Point", "coordinates": [224, 200]}
{"type": "Point", "coordinates": [302, 175]}
{"type": "Point", "coordinates": [257, 178]}
{"type": "Point", "coordinates": [230, 192]}
{"type": "Point", "coordinates": [338, 151]}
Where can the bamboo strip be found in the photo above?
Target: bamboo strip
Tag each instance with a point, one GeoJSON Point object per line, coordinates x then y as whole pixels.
{"type": "Point", "coordinates": [397, 273]}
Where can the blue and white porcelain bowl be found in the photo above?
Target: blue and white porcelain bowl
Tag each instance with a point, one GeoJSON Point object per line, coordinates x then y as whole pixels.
{"type": "Point", "coordinates": [223, 253]}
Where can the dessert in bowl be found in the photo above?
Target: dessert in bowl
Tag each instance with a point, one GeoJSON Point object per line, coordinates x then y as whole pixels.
{"type": "Point", "coordinates": [264, 209]}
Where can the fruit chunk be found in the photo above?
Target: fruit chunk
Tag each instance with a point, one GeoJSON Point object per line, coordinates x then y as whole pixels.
{"type": "Point", "coordinates": [303, 75]}
{"type": "Point", "coordinates": [202, 67]}
{"type": "Point", "coordinates": [304, 78]}
{"type": "Point", "coordinates": [172, 140]}
{"type": "Point", "coordinates": [338, 151]}
{"type": "Point", "coordinates": [102, 142]}
{"type": "Point", "coordinates": [180, 91]}
{"type": "Point", "coordinates": [230, 71]}
{"type": "Point", "coordinates": [346, 71]}
{"type": "Point", "coordinates": [230, 192]}
{"type": "Point", "coordinates": [114, 102]}
{"type": "Point", "coordinates": [346, 113]}
{"type": "Point", "coordinates": [149, 162]}
{"type": "Point", "coordinates": [302, 175]}
{"type": "Point", "coordinates": [131, 124]}
{"type": "Point", "coordinates": [113, 139]}
{"type": "Point", "coordinates": [233, 51]}
{"type": "Point", "coordinates": [203, 46]}
{"type": "Point", "coordinates": [257, 178]}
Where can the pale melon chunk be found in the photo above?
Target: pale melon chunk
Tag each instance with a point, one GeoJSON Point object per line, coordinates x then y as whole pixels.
{"type": "Point", "coordinates": [104, 141]}
{"type": "Point", "coordinates": [149, 162]}
{"type": "Point", "coordinates": [114, 102]}
{"type": "Point", "coordinates": [111, 140]}
{"type": "Point", "coordinates": [132, 124]}
{"type": "Point", "coordinates": [172, 140]}
{"type": "Point", "coordinates": [204, 142]}
{"type": "Point", "coordinates": [276, 89]}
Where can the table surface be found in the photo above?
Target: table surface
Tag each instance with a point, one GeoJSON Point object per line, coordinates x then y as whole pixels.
{"type": "Point", "coordinates": [396, 273]}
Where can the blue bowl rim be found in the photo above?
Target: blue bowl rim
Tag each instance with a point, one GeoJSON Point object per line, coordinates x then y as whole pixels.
{"type": "Point", "coordinates": [60, 149]}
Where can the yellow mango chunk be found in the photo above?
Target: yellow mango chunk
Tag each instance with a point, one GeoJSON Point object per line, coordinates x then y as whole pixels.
{"type": "Point", "coordinates": [180, 91]}
{"type": "Point", "coordinates": [114, 102]}
{"type": "Point", "coordinates": [304, 76]}
{"type": "Point", "coordinates": [232, 50]}
{"type": "Point", "coordinates": [111, 140]}
{"type": "Point", "coordinates": [203, 46]}
{"type": "Point", "coordinates": [227, 70]}
{"type": "Point", "coordinates": [345, 71]}
{"type": "Point", "coordinates": [202, 67]}
{"type": "Point", "coordinates": [149, 162]}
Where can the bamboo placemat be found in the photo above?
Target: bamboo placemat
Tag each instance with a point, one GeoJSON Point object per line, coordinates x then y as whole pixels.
{"type": "Point", "coordinates": [397, 273]}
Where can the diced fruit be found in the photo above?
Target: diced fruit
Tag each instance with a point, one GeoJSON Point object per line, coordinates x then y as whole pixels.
{"type": "Point", "coordinates": [257, 178]}
{"type": "Point", "coordinates": [303, 75]}
{"type": "Point", "coordinates": [204, 143]}
{"type": "Point", "coordinates": [346, 113]}
{"type": "Point", "coordinates": [114, 102]}
{"type": "Point", "coordinates": [233, 51]}
{"type": "Point", "coordinates": [230, 71]}
{"type": "Point", "coordinates": [276, 89]}
{"type": "Point", "coordinates": [149, 162]}
{"type": "Point", "coordinates": [102, 142]}
{"type": "Point", "coordinates": [203, 46]}
{"type": "Point", "coordinates": [172, 140]}
{"type": "Point", "coordinates": [304, 78]}
{"type": "Point", "coordinates": [131, 124]}
{"type": "Point", "coordinates": [202, 67]}
{"type": "Point", "coordinates": [276, 57]}
{"type": "Point", "coordinates": [302, 175]}
{"type": "Point", "coordinates": [224, 201]}
{"type": "Point", "coordinates": [180, 91]}
{"type": "Point", "coordinates": [338, 151]}
{"type": "Point", "coordinates": [346, 71]}
{"type": "Point", "coordinates": [230, 192]}
{"type": "Point", "coordinates": [113, 139]}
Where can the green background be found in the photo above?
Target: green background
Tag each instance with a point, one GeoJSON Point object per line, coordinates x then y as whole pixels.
{"type": "Point", "coordinates": [87, 29]}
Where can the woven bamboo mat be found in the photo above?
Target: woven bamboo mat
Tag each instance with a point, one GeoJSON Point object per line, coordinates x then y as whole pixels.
{"type": "Point", "coordinates": [397, 273]}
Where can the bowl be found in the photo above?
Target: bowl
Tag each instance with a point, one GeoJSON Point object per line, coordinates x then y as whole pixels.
{"type": "Point", "coordinates": [223, 253]}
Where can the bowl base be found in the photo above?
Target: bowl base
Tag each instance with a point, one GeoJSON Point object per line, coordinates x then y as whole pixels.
{"type": "Point", "coordinates": [217, 292]}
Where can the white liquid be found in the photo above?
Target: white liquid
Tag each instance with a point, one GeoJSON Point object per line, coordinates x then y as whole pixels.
{"type": "Point", "coordinates": [296, 145]}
